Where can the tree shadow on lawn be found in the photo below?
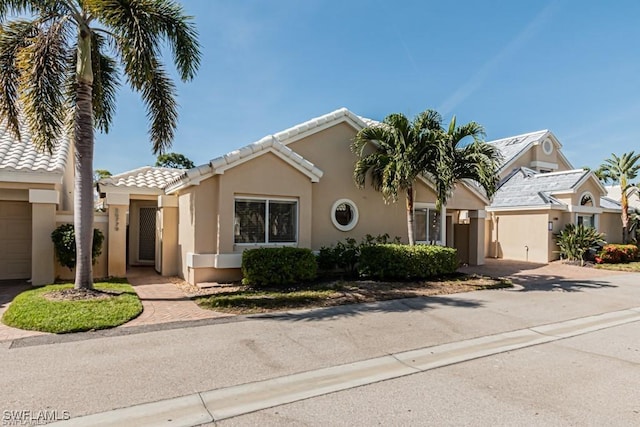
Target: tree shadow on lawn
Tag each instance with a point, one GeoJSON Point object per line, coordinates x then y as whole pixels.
{"type": "Point", "coordinates": [358, 309]}
{"type": "Point", "coordinates": [534, 282]}
{"type": "Point", "coordinates": [9, 289]}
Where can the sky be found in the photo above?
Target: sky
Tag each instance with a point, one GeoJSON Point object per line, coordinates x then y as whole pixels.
{"type": "Point", "coordinates": [570, 66]}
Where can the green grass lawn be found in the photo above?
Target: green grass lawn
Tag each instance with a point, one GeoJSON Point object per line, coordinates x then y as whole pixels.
{"type": "Point", "coordinates": [31, 310]}
{"type": "Point", "coordinates": [631, 266]}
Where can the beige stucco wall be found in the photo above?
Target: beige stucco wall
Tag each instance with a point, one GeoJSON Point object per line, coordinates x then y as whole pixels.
{"type": "Point", "coordinates": [610, 224]}
{"type": "Point", "coordinates": [515, 231]}
{"type": "Point", "coordinates": [464, 198]}
{"type": "Point", "coordinates": [330, 151]}
{"type": "Point", "coordinates": [535, 153]}
{"type": "Point", "coordinates": [186, 228]}
{"type": "Point", "coordinates": [264, 176]}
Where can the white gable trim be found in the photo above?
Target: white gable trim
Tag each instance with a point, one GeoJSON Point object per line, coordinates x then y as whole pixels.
{"type": "Point", "coordinates": [526, 208]}
{"type": "Point", "coordinates": [31, 177]}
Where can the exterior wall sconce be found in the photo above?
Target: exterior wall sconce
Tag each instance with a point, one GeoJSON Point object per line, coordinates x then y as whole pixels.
{"type": "Point", "coordinates": [550, 225]}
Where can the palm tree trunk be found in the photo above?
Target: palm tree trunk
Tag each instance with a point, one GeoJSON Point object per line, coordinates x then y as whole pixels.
{"type": "Point", "coordinates": [410, 225]}
{"type": "Point", "coordinates": [83, 185]}
{"type": "Point", "coordinates": [624, 203]}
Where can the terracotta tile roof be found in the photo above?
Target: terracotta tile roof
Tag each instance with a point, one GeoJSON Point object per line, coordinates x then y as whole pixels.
{"type": "Point", "coordinates": [22, 156]}
{"type": "Point", "coordinates": [144, 177]}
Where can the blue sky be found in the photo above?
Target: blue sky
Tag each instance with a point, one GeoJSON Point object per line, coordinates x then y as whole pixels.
{"type": "Point", "coordinates": [571, 66]}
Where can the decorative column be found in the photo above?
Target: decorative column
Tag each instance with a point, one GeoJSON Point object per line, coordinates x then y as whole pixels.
{"type": "Point", "coordinates": [476, 237]}
{"type": "Point", "coordinates": [118, 205]}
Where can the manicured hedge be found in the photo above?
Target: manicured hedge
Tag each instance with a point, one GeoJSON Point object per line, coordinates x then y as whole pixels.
{"type": "Point", "coordinates": [273, 267]}
{"type": "Point", "coordinates": [404, 262]}
{"type": "Point", "coordinates": [614, 254]}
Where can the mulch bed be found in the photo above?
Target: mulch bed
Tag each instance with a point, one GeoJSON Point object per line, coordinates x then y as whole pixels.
{"type": "Point", "coordinates": [79, 295]}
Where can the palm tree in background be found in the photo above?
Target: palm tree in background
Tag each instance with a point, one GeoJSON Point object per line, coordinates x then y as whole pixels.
{"type": "Point", "coordinates": [454, 161]}
{"type": "Point", "coordinates": [61, 62]}
{"type": "Point", "coordinates": [394, 154]}
{"type": "Point", "coordinates": [621, 170]}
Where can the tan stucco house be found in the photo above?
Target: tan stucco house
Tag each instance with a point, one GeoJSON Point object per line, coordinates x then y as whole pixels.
{"type": "Point", "coordinates": [539, 193]}
{"type": "Point", "coordinates": [35, 192]}
{"type": "Point", "coordinates": [294, 187]}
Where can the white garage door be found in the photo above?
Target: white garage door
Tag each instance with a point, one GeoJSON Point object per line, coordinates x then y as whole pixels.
{"type": "Point", "coordinates": [15, 240]}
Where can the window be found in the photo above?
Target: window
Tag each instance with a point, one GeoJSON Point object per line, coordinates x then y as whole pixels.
{"type": "Point", "coordinates": [266, 221]}
{"type": "Point", "coordinates": [344, 214]}
{"type": "Point", "coordinates": [586, 200]}
{"type": "Point", "coordinates": [586, 220]}
{"type": "Point", "coordinates": [427, 224]}
{"type": "Point", "coordinates": [547, 146]}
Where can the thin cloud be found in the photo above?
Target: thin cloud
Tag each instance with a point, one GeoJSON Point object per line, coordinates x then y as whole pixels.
{"type": "Point", "coordinates": [488, 67]}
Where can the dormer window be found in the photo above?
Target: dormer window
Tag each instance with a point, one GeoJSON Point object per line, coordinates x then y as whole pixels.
{"type": "Point", "coordinates": [586, 200]}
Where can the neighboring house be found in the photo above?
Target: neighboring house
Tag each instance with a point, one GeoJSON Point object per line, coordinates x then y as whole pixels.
{"type": "Point", "coordinates": [34, 188]}
{"type": "Point", "coordinates": [633, 196]}
{"type": "Point", "coordinates": [292, 188]}
{"type": "Point", "coordinates": [539, 193]}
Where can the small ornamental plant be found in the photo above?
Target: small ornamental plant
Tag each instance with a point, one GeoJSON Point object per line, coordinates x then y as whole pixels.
{"type": "Point", "coordinates": [64, 243]}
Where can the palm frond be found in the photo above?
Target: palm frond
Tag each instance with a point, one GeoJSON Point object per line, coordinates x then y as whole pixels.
{"type": "Point", "coordinates": [159, 95]}
{"type": "Point", "coordinates": [42, 64]}
{"type": "Point", "coordinates": [105, 84]}
{"type": "Point", "coordinates": [14, 36]}
{"type": "Point", "coordinates": [143, 25]}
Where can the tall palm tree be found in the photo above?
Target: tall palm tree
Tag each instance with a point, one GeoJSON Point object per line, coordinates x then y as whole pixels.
{"type": "Point", "coordinates": [394, 154]}
{"type": "Point", "coordinates": [621, 170]}
{"type": "Point", "coordinates": [455, 161]}
{"type": "Point", "coordinates": [61, 62]}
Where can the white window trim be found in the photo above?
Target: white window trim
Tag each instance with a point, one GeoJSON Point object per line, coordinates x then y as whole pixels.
{"type": "Point", "coordinates": [443, 221]}
{"type": "Point", "coordinates": [547, 146]}
{"type": "Point", "coordinates": [354, 220]}
{"type": "Point", "coordinates": [266, 216]}
{"type": "Point", "coordinates": [595, 216]}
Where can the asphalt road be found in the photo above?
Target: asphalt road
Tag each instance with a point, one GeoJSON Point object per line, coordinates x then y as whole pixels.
{"type": "Point", "coordinates": [585, 380]}
{"type": "Point", "coordinates": [590, 380]}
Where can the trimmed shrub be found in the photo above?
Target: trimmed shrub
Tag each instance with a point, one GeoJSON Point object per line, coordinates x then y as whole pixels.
{"type": "Point", "coordinates": [278, 267]}
{"type": "Point", "coordinates": [403, 262]}
{"type": "Point", "coordinates": [64, 243]}
{"type": "Point", "coordinates": [615, 254]}
{"type": "Point", "coordinates": [344, 256]}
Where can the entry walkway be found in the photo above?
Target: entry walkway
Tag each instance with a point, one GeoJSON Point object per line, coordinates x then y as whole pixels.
{"type": "Point", "coordinates": [163, 302]}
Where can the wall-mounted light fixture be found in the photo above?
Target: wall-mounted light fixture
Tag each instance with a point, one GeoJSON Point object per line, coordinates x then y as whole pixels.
{"type": "Point", "coordinates": [550, 225]}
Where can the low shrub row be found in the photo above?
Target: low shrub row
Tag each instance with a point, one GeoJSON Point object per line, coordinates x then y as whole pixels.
{"type": "Point", "coordinates": [372, 258]}
{"type": "Point", "coordinates": [343, 257]}
{"type": "Point", "coordinates": [402, 262]}
{"type": "Point", "coordinates": [615, 254]}
{"type": "Point", "coordinates": [278, 266]}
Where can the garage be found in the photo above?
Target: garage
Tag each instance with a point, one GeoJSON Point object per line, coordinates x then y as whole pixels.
{"type": "Point", "coordinates": [15, 240]}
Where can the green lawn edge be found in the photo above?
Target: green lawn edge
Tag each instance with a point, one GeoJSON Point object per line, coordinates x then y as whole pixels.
{"type": "Point", "coordinates": [31, 311]}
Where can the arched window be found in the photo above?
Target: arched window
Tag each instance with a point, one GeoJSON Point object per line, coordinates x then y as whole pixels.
{"type": "Point", "coordinates": [586, 200]}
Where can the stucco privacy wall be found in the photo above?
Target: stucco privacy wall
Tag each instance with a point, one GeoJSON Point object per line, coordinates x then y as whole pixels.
{"type": "Point", "coordinates": [330, 151]}
{"type": "Point", "coordinates": [610, 223]}
{"type": "Point", "coordinates": [519, 236]}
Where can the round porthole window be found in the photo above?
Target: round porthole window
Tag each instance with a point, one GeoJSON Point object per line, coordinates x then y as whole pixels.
{"type": "Point", "coordinates": [344, 215]}
{"type": "Point", "coordinates": [547, 146]}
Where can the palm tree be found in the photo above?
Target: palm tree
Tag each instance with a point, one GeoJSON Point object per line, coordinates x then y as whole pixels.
{"type": "Point", "coordinates": [61, 62]}
{"type": "Point", "coordinates": [622, 170]}
{"type": "Point", "coordinates": [453, 161]}
{"type": "Point", "coordinates": [394, 154]}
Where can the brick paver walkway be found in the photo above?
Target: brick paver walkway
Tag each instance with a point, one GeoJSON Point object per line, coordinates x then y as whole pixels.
{"type": "Point", "coordinates": [163, 302]}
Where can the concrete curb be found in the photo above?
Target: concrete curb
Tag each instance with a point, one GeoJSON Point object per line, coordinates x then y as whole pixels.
{"type": "Point", "coordinates": [219, 404]}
